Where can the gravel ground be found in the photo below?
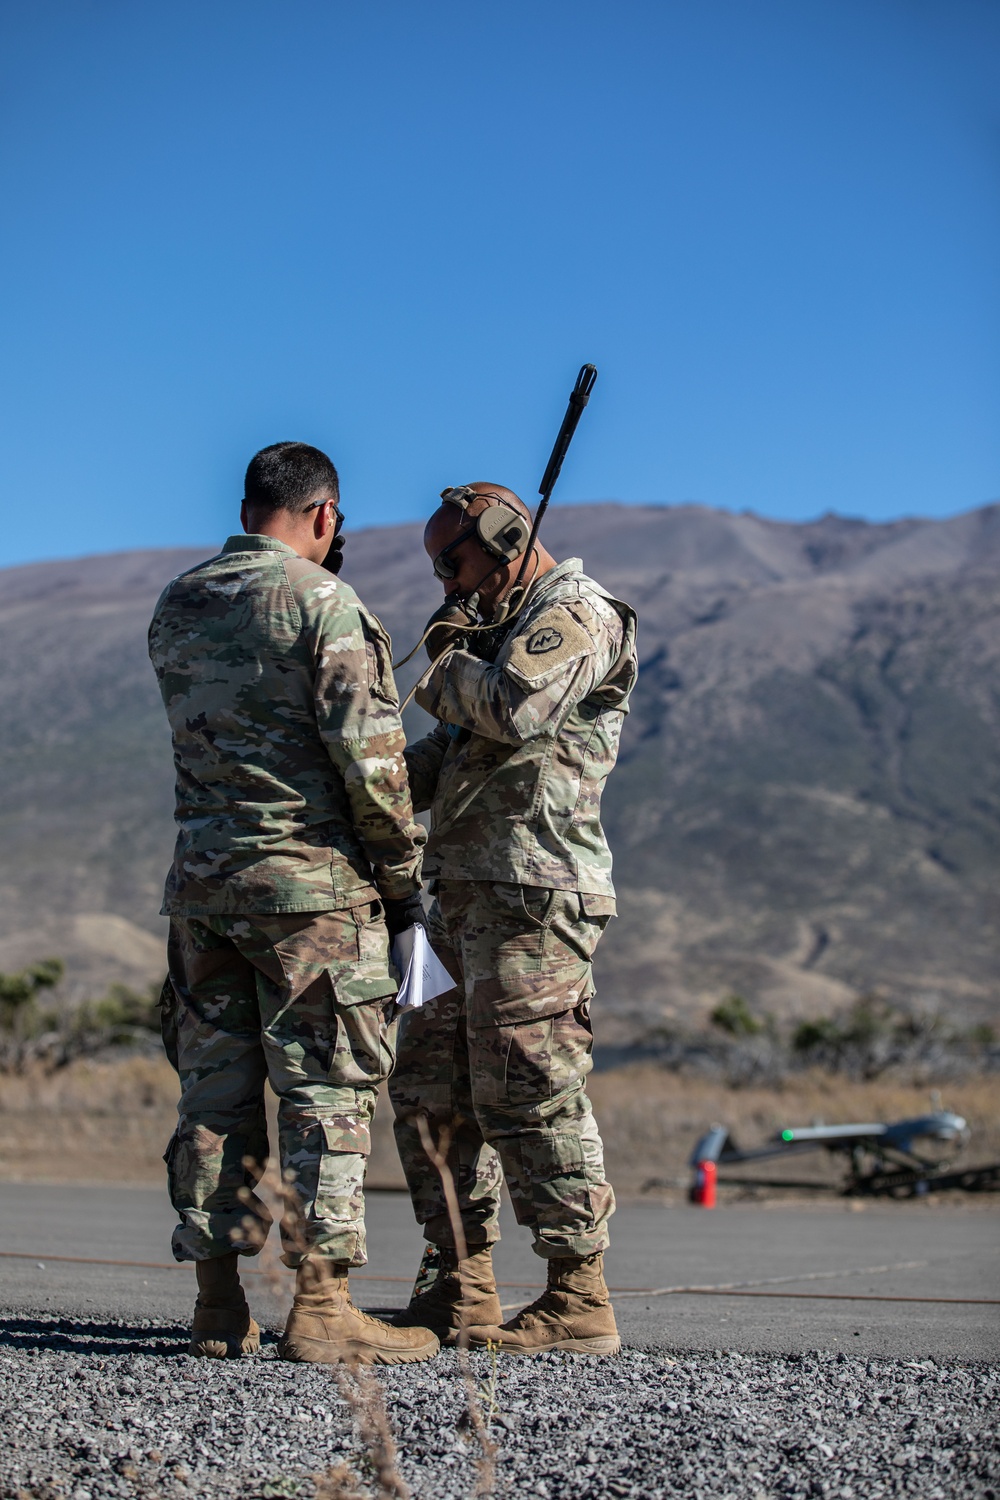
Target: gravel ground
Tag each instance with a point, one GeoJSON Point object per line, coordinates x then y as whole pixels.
{"type": "Point", "coordinates": [93, 1409]}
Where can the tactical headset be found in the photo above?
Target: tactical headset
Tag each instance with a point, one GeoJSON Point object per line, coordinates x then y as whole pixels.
{"type": "Point", "coordinates": [503, 534]}
{"type": "Point", "coordinates": [501, 531]}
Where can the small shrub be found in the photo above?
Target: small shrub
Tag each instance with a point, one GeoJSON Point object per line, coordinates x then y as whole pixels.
{"type": "Point", "coordinates": [869, 1020]}
{"type": "Point", "coordinates": [59, 1034]}
{"type": "Point", "coordinates": [122, 1012]}
{"type": "Point", "coordinates": [734, 1016]}
{"type": "Point", "coordinates": [866, 1039]}
{"type": "Point", "coordinates": [19, 992]}
{"type": "Point", "coordinates": [809, 1036]}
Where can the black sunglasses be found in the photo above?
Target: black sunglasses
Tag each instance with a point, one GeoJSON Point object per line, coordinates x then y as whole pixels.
{"type": "Point", "coordinates": [337, 511]}
{"type": "Point", "coordinates": [443, 565]}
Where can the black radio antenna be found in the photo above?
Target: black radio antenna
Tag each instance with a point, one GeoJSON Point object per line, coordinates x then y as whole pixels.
{"type": "Point", "coordinates": [578, 398]}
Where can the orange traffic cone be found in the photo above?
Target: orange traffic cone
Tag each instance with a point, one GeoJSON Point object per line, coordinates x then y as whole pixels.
{"type": "Point", "coordinates": [703, 1187]}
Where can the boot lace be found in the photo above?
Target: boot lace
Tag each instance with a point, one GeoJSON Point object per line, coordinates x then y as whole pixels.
{"type": "Point", "coordinates": [364, 1316]}
{"type": "Point", "coordinates": [551, 1302]}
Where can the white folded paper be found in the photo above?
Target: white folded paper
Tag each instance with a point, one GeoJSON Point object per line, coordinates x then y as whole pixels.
{"type": "Point", "coordinates": [424, 976]}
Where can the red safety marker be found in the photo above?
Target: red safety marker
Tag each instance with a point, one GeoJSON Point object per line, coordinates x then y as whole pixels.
{"type": "Point", "coordinates": [703, 1187]}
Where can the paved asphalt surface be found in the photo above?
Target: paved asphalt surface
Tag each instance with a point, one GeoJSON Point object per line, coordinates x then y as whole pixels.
{"type": "Point", "coordinates": [894, 1280]}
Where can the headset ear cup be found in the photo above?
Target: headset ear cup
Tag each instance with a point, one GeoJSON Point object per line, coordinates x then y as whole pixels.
{"type": "Point", "coordinates": [502, 532]}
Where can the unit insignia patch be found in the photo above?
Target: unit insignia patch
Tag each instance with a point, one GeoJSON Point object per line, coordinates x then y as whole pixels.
{"type": "Point", "coordinates": [542, 641]}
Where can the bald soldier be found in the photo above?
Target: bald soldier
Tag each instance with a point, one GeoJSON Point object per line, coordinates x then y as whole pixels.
{"type": "Point", "coordinates": [513, 776]}
{"type": "Point", "coordinates": [297, 858]}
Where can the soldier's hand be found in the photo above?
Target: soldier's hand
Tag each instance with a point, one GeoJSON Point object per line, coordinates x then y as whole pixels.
{"type": "Point", "coordinates": [334, 559]}
{"type": "Point", "coordinates": [404, 912]}
{"type": "Point", "coordinates": [486, 644]}
{"type": "Point", "coordinates": [450, 623]}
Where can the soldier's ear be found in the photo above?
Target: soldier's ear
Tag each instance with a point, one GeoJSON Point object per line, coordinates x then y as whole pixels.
{"type": "Point", "coordinates": [243, 517]}
{"type": "Point", "coordinates": [324, 521]}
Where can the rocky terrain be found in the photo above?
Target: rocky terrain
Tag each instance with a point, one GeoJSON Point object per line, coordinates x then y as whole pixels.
{"type": "Point", "coordinates": [95, 1410]}
{"type": "Point", "coordinates": [807, 806]}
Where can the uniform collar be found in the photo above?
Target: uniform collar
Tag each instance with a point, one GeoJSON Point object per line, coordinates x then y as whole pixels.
{"type": "Point", "coordinates": [555, 575]}
{"type": "Point", "coordinates": [243, 543]}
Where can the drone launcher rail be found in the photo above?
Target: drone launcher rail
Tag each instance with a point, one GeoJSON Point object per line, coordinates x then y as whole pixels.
{"type": "Point", "coordinates": [895, 1167]}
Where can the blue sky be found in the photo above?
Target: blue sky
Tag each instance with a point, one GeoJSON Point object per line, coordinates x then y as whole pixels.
{"type": "Point", "coordinates": [396, 229]}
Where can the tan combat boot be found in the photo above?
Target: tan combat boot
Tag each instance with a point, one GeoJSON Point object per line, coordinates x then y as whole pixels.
{"type": "Point", "coordinates": [324, 1327]}
{"type": "Point", "coordinates": [464, 1293]}
{"type": "Point", "coordinates": [222, 1327]}
{"type": "Point", "coordinates": [574, 1312]}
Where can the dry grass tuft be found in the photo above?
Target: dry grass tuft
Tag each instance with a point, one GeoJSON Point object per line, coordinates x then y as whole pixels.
{"type": "Point", "coordinates": [339, 1482]}
{"type": "Point", "coordinates": [363, 1393]}
{"type": "Point", "coordinates": [437, 1153]}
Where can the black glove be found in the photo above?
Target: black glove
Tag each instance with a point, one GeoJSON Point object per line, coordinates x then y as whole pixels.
{"type": "Point", "coordinates": [450, 621]}
{"type": "Point", "coordinates": [334, 559]}
{"type": "Point", "coordinates": [486, 644]}
{"type": "Point", "coordinates": [404, 912]}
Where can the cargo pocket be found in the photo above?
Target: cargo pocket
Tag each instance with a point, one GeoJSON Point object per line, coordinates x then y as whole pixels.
{"type": "Point", "coordinates": [368, 977]}
{"type": "Point", "coordinates": [580, 923]}
{"type": "Point", "coordinates": [536, 903]}
{"type": "Point", "coordinates": [516, 924]}
{"type": "Point", "coordinates": [340, 1204]}
{"type": "Point", "coordinates": [598, 906]}
{"type": "Point", "coordinates": [538, 968]}
{"type": "Point", "coordinates": [363, 1053]}
{"type": "Point", "coordinates": [525, 1066]}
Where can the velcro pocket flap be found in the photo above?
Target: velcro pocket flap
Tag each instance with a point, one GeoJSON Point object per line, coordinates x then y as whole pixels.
{"type": "Point", "coordinates": [548, 646]}
{"type": "Point", "coordinates": [598, 906]}
{"type": "Point", "coordinates": [347, 1133]}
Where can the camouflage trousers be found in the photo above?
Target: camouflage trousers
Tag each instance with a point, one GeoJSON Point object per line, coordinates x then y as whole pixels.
{"type": "Point", "coordinates": [301, 1001]}
{"type": "Point", "coordinates": [498, 1065]}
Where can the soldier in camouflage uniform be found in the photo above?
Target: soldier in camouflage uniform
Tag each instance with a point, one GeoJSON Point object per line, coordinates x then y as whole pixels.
{"type": "Point", "coordinates": [513, 775]}
{"type": "Point", "coordinates": [296, 845]}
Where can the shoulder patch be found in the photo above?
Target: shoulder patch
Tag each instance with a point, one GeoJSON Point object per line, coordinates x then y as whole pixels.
{"type": "Point", "coordinates": [549, 642]}
{"type": "Point", "coordinates": [543, 640]}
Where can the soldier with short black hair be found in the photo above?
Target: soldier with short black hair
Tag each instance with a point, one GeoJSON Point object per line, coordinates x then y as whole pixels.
{"type": "Point", "coordinates": [513, 776]}
{"type": "Point", "coordinates": [297, 859]}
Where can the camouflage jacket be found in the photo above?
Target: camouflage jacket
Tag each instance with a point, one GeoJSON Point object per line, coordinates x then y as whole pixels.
{"type": "Point", "coordinates": [291, 785]}
{"type": "Point", "coordinates": [520, 800]}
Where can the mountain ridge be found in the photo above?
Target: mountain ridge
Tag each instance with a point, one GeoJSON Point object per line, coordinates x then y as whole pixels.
{"type": "Point", "coordinates": [807, 805]}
